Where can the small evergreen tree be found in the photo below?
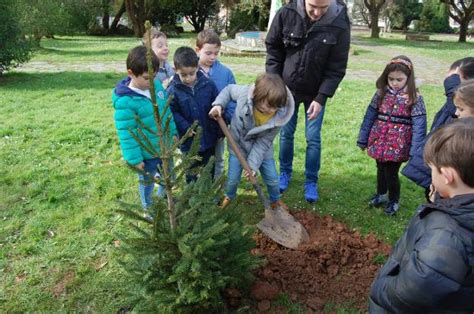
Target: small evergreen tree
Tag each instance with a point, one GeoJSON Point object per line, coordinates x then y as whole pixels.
{"type": "Point", "coordinates": [434, 17]}
{"type": "Point", "coordinates": [192, 250]}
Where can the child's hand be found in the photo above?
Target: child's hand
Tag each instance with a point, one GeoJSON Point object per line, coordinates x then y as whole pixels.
{"type": "Point", "coordinates": [215, 112]}
{"type": "Point", "coordinates": [140, 166]}
{"type": "Point", "coordinates": [248, 173]}
{"type": "Point", "coordinates": [165, 83]}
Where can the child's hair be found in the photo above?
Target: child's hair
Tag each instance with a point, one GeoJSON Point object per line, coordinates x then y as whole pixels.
{"type": "Point", "coordinates": [185, 57]}
{"type": "Point", "coordinates": [270, 87]}
{"type": "Point", "coordinates": [451, 146]}
{"type": "Point", "coordinates": [403, 64]}
{"type": "Point", "coordinates": [136, 61]}
{"type": "Point", "coordinates": [465, 92]}
{"type": "Point", "coordinates": [466, 68]}
{"type": "Point", "coordinates": [207, 36]}
{"type": "Point", "coordinates": [154, 34]}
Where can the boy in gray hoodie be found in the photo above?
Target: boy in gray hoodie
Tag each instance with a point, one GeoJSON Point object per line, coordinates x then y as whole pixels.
{"type": "Point", "coordinates": [262, 109]}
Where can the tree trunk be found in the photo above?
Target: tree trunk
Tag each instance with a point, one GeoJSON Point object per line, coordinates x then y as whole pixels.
{"type": "Point", "coordinates": [463, 26]}
{"type": "Point", "coordinates": [118, 16]}
{"type": "Point", "coordinates": [374, 21]}
{"type": "Point", "coordinates": [136, 14]}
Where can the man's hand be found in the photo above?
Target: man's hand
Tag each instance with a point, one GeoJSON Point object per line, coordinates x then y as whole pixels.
{"type": "Point", "coordinates": [247, 174]}
{"type": "Point", "coordinates": [140, 166]}
{"type": "Point", "coordinates": [314, 110]}
{"type": "Point", "coordinates": [215, 112]}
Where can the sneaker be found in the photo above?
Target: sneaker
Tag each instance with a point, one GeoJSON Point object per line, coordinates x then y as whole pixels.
{"type": "Point", "coordinates": [279, 204]}
{"type": "Point", "coordinates": [225, 202]}
{"type": "Point", "coordinates": [284, 181]}
{"type": "Point", "coordinates": [311, 192]}
{"type": "Point", "coordinates": [147, 216]}
{"type": "Point", "coordinates": [378, 200]}
{"type": "Point", "coordinates": [391, 208]}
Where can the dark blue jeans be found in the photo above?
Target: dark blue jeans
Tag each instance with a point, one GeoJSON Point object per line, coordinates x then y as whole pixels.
{"type": "Point", "coordinates": [146, 184]}
{"type": "Point", "coordinates": [313, 143]}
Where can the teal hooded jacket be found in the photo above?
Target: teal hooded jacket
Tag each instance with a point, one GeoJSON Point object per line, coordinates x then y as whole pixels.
{"type": "Point", "coordinates": [134, 119]}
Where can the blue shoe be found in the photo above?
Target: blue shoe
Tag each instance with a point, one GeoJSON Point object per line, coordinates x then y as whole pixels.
{"type": "Point", "coordinates": [284, 181]}
{"type": "Point", "coordinates": [311, 192]}
{"type": "Point", "coordinates": [391, 208]}
{"type": "Point", "coordinates": [378, 200]}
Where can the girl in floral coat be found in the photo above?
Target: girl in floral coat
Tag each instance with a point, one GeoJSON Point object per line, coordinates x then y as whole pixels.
{"type": "Point", "coordinates": [394, 123]}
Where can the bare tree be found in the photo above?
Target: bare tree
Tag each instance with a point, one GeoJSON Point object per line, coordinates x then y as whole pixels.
{"type": "Point", "coordinates": [462, 11]}
{"type": "Point", "coordinates": [374, 7]}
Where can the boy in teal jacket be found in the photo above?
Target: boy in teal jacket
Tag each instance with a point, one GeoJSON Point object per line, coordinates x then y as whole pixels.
{"type": "Point", "coordinates": [132, 101]}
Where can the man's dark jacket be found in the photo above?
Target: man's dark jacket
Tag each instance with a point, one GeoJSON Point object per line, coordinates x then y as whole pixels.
{"type": "Point", "coordinates": [416, 169]}
{"type": "Point", "coordinates": [431, 268]}
{"type": "Point", "coordinates": [310, 57]}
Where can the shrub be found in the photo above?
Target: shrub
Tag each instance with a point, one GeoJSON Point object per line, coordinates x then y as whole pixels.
{"type": "Point", "coordinates": [14, 47]}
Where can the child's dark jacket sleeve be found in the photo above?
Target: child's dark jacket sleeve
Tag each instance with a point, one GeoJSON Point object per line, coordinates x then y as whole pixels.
{"type": "Point", "coordinates": [181, 123]}
{"type": "Point", "coordinates": [432, 270]}
{"type": "Point", "coordinates": [367, 123]}
{"type": "Point", "coordinates": [418, 117]}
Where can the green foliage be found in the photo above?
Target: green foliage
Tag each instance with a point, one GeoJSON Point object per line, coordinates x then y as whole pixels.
{"type": "Point", "coordinates": [434, 17]}
{"type": "Point", "coordinates": [402, 12]}
{"type": "Point", "coordinates": [242, 20]}
{"type": "Point", "coordinates": [46, 18]}
{"type": "Point", "coordinates": [186, 270]}
{"type": "Point", "coordinates": [14, 47]}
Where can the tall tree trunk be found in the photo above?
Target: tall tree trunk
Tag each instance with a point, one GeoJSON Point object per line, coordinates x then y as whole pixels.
{"type": "Point", "coordinates": [136, 14]}
{"type": "Point", "coordinates": [106, 14]}
{"type": "Point", "coordinates": [118, 16]}
{"type": "Point", "coordinates": [374, 27]}
{"type": "Point", "coordinates": [463, 26]}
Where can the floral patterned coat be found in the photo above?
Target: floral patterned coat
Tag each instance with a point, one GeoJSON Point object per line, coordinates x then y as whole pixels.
{"type": "Point", "coordinates": [391, 127]}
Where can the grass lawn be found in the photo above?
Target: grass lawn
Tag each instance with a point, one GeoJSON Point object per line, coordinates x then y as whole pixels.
{"type": "Point", "coordinates": [62, 174]}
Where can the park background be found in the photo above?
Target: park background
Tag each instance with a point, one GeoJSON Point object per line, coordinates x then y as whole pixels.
{"type": "Point", "coordinates": [61, 169]}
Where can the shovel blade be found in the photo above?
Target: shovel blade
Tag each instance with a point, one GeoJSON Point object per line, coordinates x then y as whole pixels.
{"type": "Point", "coordinates": [283, 228]}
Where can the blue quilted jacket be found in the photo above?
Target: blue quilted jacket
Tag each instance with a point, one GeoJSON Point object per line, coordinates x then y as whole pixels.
{"type": "Point", "coordinates": [431, 268]}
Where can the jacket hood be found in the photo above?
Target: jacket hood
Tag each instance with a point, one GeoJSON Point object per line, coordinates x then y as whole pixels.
{"type": "Point", "coordinates": [459, 207]}
{"type": "Point", "coordinates": [122, 89]}
{"type": "Point", "coordinates": [282, 116]}
{"type": "Point", "coordinates": [331, 14]}
{"type": "Point", "coordinates": [451, 83]}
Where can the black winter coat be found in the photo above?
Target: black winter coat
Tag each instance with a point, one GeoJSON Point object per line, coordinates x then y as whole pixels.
{"type": "Point", "coordinates": [311, 58]}
{"type": "Point", "coordinates": [431, 268]}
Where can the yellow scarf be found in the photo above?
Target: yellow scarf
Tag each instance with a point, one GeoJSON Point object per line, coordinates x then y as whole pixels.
{"type": "Point", "coordinates": [261, 118]}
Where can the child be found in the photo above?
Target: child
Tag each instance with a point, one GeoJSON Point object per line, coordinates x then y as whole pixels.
{"type": "Point", "coordinates": [208, 46]}
{"type": "Point", "coordinates": [431, 268]}
{"type": "Point", "coordinates": [159, 45]}
{"type": "Point", "coordinates": [464, 100]}
{"type": "Point", "coordinates": [193, 94]}
{"type": "Point", "coordinates": [416, 170]}
{"type": "Point", "coordinates": [131, 100]}
{"type": "Point", "coordinates": [262, 109]}
{"type": "Point", "coordinates": [394, 123]}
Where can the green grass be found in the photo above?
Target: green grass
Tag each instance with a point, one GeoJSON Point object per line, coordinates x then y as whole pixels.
{"type": "Point", "coordinates": [62, 176]}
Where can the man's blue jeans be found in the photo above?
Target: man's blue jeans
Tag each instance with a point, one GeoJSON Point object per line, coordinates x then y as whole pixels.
{"type": "Point", "coordinates": [146, 184]}
{"type": "Point", "coordinates": [269, 175]}
{"type": "Point", "coordinates": [313, 144]}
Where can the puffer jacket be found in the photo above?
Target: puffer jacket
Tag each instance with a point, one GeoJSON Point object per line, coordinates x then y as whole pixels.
{"type": "Point", "coordinates": [391, 129]}
{"type": "Point", "coordinates": [311, 58]}
{"type": "Point", "coordinates": [431, 268]}
{"type": "Point", "coordinates": [191, 104]}
{"type": "Point", "coordinates": [130, 106]}
{"type": "Point", "coordinates": [255, 142]}
{"type": "Point", "coordinates": [416, 169]}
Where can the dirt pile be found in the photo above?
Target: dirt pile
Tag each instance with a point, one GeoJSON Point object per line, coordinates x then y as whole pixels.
{"type": "Point", "coordinates": [337, 266]}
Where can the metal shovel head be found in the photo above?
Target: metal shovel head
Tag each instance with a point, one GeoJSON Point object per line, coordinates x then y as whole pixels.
{"type": "Point", "coordinates": [283, 228]}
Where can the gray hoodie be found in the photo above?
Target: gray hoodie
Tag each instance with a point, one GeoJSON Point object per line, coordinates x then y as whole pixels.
{"type": "Point", "coordinates": [255, 143]}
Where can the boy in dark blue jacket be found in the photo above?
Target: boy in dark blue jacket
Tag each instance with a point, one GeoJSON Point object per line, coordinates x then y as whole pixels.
{"type": "Point", "coordinates": [193, 94]}
{"type": "Point", "coordinates": [416, 170]}
{"type": "Point", "coordinates": [431, 268]}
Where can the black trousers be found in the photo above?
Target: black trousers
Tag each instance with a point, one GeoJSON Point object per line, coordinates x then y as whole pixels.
{"type": "Point", "coordinates": [387, 179]}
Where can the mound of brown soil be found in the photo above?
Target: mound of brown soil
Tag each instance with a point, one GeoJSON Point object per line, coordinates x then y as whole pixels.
{"type": "Point", "coordinates": [336, 266]}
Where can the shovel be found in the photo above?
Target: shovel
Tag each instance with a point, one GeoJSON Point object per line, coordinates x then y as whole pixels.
{"type": "Point", "coordinates": [278, 224]}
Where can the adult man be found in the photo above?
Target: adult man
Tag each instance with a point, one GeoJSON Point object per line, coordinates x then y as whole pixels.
{"type": "Point", "coordinates": [308, 45]}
